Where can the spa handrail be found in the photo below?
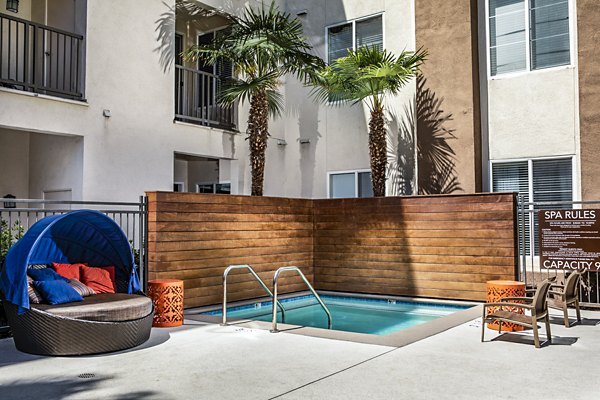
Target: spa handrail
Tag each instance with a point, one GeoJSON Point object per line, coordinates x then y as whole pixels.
{"type": "Point", "coordinates": [297, 270]}
{"type": "Point", "coordinates": [249, 268]}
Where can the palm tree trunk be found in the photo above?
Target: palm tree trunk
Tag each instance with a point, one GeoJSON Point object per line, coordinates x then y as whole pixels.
{"type": "Point", "coordinates": [258, 127]}
{"type": "Point", "coordinates": [378, 151]}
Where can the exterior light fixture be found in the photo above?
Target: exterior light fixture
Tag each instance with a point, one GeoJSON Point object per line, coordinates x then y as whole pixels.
{"type": "Point", "coordinates": [12, 5]}
{"type": "Point", "coordinates": [281, 142]}
{"type": "Point", "coordinates": [302, 13]}
{"type": "Point", "coordinates": [304, 141]}
{"type": "Point", "coordinates": [10, 204]}
{"type": "Point", "coordinates": [106, 113]}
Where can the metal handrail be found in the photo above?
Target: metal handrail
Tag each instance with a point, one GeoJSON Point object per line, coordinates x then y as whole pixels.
{"type": "Point", "coordinates": [249, 268]}
{"type": "Point", "coordinates": [296, 269]}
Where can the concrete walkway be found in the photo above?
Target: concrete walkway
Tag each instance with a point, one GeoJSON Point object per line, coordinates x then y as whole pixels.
{"type": "Point", "coordinates": [200, 361]}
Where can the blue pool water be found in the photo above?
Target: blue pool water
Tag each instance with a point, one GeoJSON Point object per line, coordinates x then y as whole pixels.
{"type": "Point", "coordinates": [352, 314]}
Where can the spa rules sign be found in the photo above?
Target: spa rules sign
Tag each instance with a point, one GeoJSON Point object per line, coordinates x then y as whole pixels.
{"type": "Point", "coordinates": [570, 239]}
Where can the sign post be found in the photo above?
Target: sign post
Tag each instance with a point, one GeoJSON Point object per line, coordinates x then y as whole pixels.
{"type": "Point", "coordinates": [569, 239]}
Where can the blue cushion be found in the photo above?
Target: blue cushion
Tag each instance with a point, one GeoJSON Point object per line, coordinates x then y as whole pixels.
{"type": "Point", "coordinates": [57, 292]}
{"type": "Point", "coordinates": [45, 274]}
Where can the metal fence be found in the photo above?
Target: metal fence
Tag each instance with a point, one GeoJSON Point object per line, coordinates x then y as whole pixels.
{"type": "Point", "coordinates": [530, 270]}
{"type": "Point", "coordinates": [41, 59]}
{"type": "Point", "coordinates": [18, 215]}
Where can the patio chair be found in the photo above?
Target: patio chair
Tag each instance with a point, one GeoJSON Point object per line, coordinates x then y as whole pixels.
{"type": "Point", "coordinates": [538, 308]}
{"type": "Point", "coordinates": [568, 294]}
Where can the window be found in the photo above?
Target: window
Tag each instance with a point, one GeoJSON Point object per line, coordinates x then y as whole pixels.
{"type": "Point", "coordinates": [350, 184]}
{"type": "Point", "coordinates": [528, 35]}
{"type": "Point", "coordinates": [218, 188]}
{"type": "Point", "coordinates": [353, 35]}
{"type": "Point", "coordinates": [537, 181]}
{"type": "Point", "coordinates": [178, 187]}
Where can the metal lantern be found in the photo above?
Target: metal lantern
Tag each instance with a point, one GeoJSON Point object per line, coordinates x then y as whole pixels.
{"type": "Point", "coordinates": [12, 5]}
{"type": "Point", "coordinates": [10, 204]}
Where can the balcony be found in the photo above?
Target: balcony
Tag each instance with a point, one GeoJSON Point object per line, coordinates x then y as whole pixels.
{"type": "Point", "coordinates": [196, 94]}
{"type": "Point", "coordinates": [40, 59]}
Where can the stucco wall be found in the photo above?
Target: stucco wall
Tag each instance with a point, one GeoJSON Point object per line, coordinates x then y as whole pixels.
{"type": "Point", "coordinates": [338, 135]}
{"type": "Point", "coordinates": [55, 164]}
{"type": "Point", "coordinates": [14, 173]}
{"type": "Point", "coordinates": [533, 114]}
{"type": "Point", "coordinates": [588, 18]}
{"type": "Point", "coordinates": [132, 151]}
{"type": "Point", "coordinates": [448, 31]}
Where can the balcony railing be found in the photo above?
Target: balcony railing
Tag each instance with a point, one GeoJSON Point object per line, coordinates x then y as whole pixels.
{"type": "Point", "coordinates": [196, 95]}
{"type": "Point", "coordinates": [40, 59]}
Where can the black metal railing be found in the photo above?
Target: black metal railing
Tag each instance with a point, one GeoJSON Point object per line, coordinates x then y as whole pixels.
{"type": "Point", "coordinates": [40, 59]}
{"type": "Point", "coordinates": [530, 271]}
{"type": "Point", "coordinates": [196, 94]}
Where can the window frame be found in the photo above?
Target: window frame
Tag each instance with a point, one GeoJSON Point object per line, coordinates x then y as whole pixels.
{"type": "Point", "coordinates": [530, 161]}
{"type": "Point", "coordinates": [572, 51]}
{"type": "Point", "coordinates": [356, 172]}
{"type": "Point", "coordinates": [353, 22]}
{"type": "Point", "coordinates": [213, 184]}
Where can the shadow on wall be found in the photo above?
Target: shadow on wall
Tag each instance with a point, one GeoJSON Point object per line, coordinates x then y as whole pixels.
{"type": "Point", "coordinates": [434, 158]}
{"type": "Point", "coordinates": [195, 14]}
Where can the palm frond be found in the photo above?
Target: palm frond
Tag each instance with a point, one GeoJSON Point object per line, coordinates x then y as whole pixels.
{"type": "Point", "coordinates": [366, 74]}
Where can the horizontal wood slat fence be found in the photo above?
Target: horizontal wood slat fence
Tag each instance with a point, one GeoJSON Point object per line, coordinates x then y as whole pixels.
{"type": "Point", "coordinates": [430, 246]}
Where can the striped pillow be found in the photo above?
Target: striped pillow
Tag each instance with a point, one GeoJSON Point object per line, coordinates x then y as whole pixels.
{"type": "Point", "coordinates": [38, 266]}
{"type": "Point", "coordinates": [34, 296]}
{"type": "Point", "coordinates": [81, 288]}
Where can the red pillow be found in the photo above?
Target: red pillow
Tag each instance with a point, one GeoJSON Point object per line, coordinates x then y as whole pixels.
{"type": "Point", "coordinates": [111, 272]}
{"type": "Point", "coordinates": [69, 271]}
{"type": "Point", "coordinates": [97, 278]}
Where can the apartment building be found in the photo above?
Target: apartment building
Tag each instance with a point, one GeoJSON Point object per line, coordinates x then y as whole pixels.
{"type": "Point", "coordinates": [96, 103]}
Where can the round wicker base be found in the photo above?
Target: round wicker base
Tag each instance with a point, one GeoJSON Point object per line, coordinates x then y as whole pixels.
{"type": "Point", "coordinates": [42, 333]}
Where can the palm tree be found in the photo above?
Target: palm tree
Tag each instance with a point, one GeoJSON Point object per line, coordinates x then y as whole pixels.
{"type": "Point", "coordinates": [369, 74]}
{"type": "Point", "coordinates": [262, 45]}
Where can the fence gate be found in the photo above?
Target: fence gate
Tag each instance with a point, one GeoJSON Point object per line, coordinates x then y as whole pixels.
{"type": "Point", "coordinates": [18, 215]}
{"type": "Point", "coordinates": [530, 270]}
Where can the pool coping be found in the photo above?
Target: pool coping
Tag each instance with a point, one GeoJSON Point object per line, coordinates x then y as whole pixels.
{"type": "Point", "coordinates": [396, 339]}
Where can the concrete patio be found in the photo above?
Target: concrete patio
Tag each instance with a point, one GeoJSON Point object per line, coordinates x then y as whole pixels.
{"type": "Point", "coordinates": [206, 361]}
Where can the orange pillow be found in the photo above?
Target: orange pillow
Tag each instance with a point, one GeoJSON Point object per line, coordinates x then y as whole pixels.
{"type": "Point", "coordinates": [111, 273]}
{"type": "Point", "coordinates": [69, 271]}
{"type": "Point", "coordinates": [97, 278]}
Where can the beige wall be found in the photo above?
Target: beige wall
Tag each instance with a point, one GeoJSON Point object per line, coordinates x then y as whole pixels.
{"type": "Point", "coordinates": [448, 31]}
{"type": "Point", "coordinates": [588, 18]}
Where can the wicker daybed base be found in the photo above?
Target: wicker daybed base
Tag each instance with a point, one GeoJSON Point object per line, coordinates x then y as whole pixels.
{"type": "Point", "coordinates": [42, 333]}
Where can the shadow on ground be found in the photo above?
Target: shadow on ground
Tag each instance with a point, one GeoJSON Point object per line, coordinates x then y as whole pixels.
{"type": "Point", "coordinates": [521, 338]}
{"type": "Point", "coordinates": [573, 321]}
{"type": "Point", "coordinates": [66, 388]}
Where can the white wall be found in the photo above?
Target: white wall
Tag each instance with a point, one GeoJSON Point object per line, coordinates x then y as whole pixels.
{"type": "Point", "coordinates": [55, 164]}
{"type": "Point", "coordinates": [14, 158]}
{"type": "Point", "coordinates": [133, 150]}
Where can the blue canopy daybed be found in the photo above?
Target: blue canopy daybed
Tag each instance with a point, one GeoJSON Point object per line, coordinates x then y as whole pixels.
{"type": "Point", "coordinates": [101, 323]}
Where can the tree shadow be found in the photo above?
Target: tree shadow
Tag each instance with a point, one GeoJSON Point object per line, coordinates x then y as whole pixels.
{"type": "Point", "coordinates": [431, 167]}
{"type": "Point", "coordinates": [66, 388]}
{"type": "Point", "coordinates": [194, 13]}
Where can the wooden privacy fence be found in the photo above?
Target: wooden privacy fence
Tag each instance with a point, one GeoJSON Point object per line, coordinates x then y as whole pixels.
{"type": "Point", "coordinates": [431, 246]}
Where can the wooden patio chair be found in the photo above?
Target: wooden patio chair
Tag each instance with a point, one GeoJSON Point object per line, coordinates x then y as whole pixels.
{"type": "Point", "coordinates": [538, 307]}
{"type": "Point", "coordinates": [566, 295]}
